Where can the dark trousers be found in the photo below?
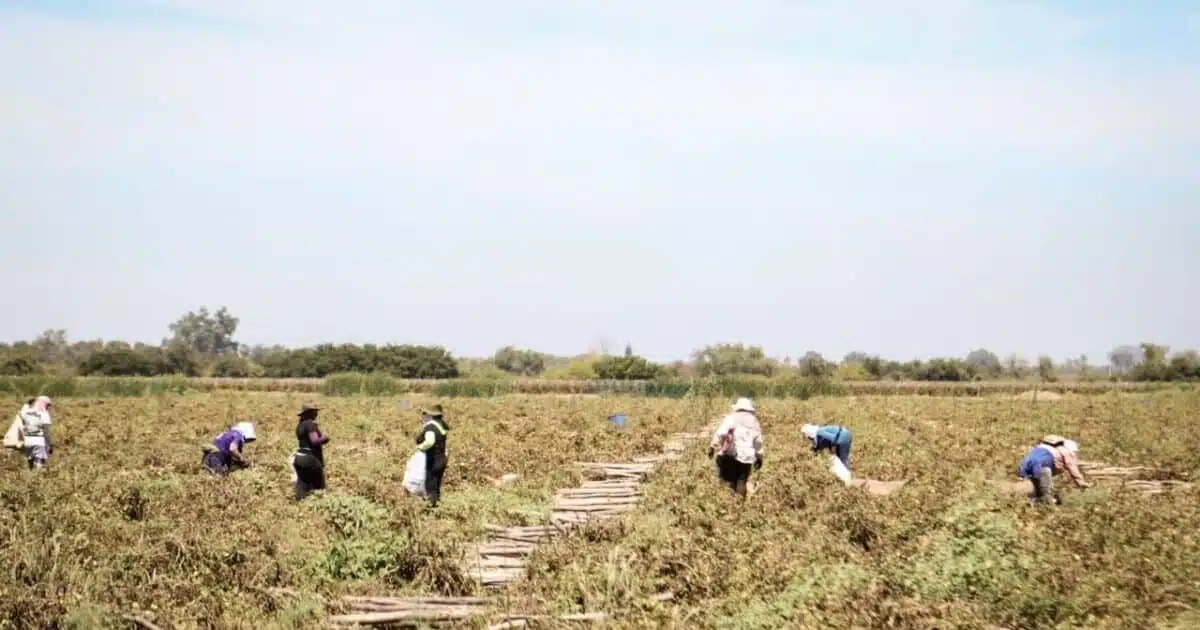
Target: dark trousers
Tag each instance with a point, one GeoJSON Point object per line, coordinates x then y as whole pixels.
{"type": "Point", "coordinates": [435, 470]}
{"type": "Point", "coordinates": [310, 474]}
{"type": "Point", "coordinates": [842, 450]}
{"type": "Point", "coordinates": [734, 474]}
{"type": "Point", "coordinates": [217, 463]}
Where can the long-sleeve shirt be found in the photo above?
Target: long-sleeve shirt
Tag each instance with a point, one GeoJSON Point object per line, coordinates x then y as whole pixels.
{"type": "Point", "coordinates": [432, 439]}
{"type": "Point", "coordinates": [35, 425]}
{"type": "Point", "coordinates": [1057, 457]}
{"type": "Point", "coordinates": [830, 436]}
{"type": "Point", "coordinates": [747, 436]}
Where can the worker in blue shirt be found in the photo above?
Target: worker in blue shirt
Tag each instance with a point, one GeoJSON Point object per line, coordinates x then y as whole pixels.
{"type": "Point", "coordinates": [829, 437]}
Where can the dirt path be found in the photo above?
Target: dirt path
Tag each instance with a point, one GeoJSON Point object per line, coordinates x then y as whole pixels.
{"type": "Point", "coordinates": [612, 490]}
{"type": "Point", "coordinates": [615, 488]}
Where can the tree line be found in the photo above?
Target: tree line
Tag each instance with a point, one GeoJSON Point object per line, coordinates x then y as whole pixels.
{"type": "Point", "coordinates": [202, 343]}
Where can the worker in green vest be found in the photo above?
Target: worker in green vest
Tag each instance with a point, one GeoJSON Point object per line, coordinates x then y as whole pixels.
{"type": "Point", "coordinates": [432, 441]}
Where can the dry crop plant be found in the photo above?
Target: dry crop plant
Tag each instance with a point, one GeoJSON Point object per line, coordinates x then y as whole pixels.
{"type": "Point", "coordinates": [126, 522]}
{"type": "Point", "coordinates": [948, 551]}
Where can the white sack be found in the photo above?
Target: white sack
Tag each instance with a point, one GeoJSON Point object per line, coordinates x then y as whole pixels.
{"type": "Point", "coordinates": [12, 438]}
{"type": "Point", "coordinates": [414, 474]}
{"type": "Point", "coordinates": [839, 469]}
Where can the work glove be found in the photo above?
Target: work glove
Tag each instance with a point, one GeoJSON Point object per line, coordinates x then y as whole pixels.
{"type": "Point", "coordinates": [758, 462]}
{"type": "Point", "coordinates": [711, 451]}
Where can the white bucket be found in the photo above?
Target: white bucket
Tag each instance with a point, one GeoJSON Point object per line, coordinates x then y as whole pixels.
{"type": "Point", "coordinates": [839, 469]}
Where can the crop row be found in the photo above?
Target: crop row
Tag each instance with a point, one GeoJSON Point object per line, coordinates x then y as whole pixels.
{"type": "Point", "coordinates": [385, 385]}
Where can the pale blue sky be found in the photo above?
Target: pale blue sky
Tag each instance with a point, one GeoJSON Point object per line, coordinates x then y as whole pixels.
{"type": "Point", "coordinates": [912, 178]}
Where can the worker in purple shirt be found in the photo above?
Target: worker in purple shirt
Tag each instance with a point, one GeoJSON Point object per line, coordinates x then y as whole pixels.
{"type": "Point", "coordinates": [228, 449]}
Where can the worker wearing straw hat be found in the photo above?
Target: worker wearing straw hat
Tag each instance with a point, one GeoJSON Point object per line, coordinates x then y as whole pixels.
{"type": "Point", "coordinates": [738, 444]}
{"type": "Point", "coordinates": [432, 441]}
{"type": "Point", "coordinates": [1053, 455]}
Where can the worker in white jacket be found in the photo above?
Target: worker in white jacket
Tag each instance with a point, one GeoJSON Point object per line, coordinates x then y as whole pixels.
{"type": "Point", "coordinates": [35, 431]}
{"type": "Point", "coordinates": [738, 445]}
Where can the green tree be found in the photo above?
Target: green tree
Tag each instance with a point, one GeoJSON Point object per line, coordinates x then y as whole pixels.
{"type": "Point", "coordinates": [1016, 367]}
{"type": "Point", "coordinates": [726, 358]}
{"type": "Point", "coordinates": [515, 361]}
{"type": "Point", "coordinates": [19, 363]}
{"type": "Point", "coordinates": [1046, 370]}
{"type": "Point", "coordinates": [1153, 366]}
{"type": "Point", "coordinates": [233, 367]}
{"type": "Point", "coordinates": [206, 333]}
{"type": "Point", "coordinates": [52, 347]}
{"type": "Point", "coordinates": [813, 365]}
{"type": "Point", "coordinates": [627, 368]}
{"type": "Point", "coordinates": [985, 362]}
{"type": "Point", "coordinates": [1123, 358]}
{"type": "Point", "coordinates": [120, 359]}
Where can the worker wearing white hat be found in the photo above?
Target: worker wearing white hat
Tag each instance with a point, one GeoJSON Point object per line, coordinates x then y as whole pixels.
{"type": "Point", "coordinates": [227, 449]}
{"type": "Point", "coordinates": [1052, 456]}
{"type": "Point", "coordinates": [738, 444]}
{"type": "Point", "coordinates": [33, 431]}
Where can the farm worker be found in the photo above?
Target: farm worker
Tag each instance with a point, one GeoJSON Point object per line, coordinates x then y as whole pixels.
{"type": "Point", "coordinates": [829, 437]}
{"type": "Point", "coordinates": [227, 449]}
{"type": "Point", "coordinates": [738, 443]}
{"type": "Point", "coordinates": [309, 459]}
{"type": "Point", "coordinates": [432, 441]}
{"type": "Point", "coordinates": [35, 431]}
{"type": "Point", "coordinates": [12, 437]}
{"type": "Point", "coordinates": [1053, 455]}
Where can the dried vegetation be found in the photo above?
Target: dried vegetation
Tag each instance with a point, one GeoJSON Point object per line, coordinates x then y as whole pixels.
{"type": "Point", "coordinates": [126, 525]}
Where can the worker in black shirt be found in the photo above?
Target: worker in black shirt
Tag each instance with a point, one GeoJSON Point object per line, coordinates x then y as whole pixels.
{"type": "Point", "coordinates": [309, 459]}
{"type": "Point", "coordinates": [432, 440]}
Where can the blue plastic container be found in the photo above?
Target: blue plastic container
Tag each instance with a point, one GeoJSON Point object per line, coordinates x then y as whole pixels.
{"type": "Point", "coordinates": [618, 420]}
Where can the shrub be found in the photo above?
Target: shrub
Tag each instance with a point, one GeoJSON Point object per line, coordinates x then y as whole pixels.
{"type": "Point", "coordinates": [19, 364]}
{"type": "Point", "coordinates": [232, 367]}
{"type": "Point", "coordinates": [627, 368]}
{"type": "Point", "coordinates": [472, 388]}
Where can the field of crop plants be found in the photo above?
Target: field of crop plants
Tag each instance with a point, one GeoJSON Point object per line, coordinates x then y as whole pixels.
{"type": "Point", "coordinates": [126, 523]}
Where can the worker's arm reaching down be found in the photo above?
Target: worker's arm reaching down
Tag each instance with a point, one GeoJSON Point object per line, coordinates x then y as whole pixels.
{"type": "Point", "coordinates": [1071, 464]}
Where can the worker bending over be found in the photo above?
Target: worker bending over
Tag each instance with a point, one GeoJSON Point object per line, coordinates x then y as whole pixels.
{"type": "Point", "coordinates": [831, 437]}
{"type": "Point", "coordinates": [228, 449]}
{"type": "Point", "coordinates": [1052, 456]}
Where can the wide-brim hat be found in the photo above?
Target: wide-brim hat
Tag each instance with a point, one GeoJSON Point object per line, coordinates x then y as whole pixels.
{"type": "Point", "coordinates": [247, 430]}
{"type": "Point", "coordinates": [433, 410]}
{"type": "Point", "coordinates": [744, 404]}
{"type": "Point", "coordinates": [309, 406]}
{"type": "Point", "coordinates": [1054, 440]}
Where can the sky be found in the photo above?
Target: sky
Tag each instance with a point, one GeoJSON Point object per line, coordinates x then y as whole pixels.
{"type": "Point", "coordinates": [903, 177]}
